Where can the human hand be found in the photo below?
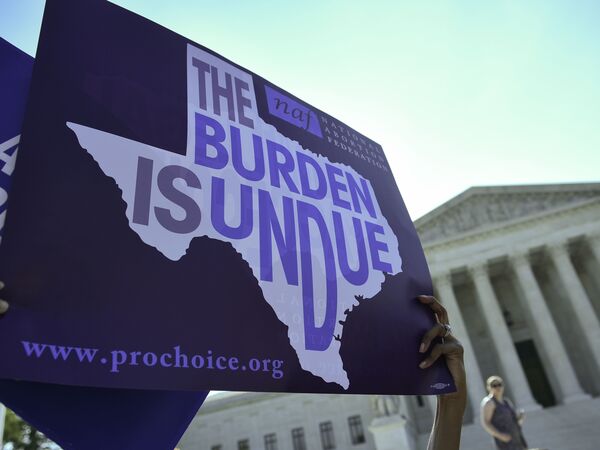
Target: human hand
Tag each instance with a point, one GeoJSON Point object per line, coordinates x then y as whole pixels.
{"type": "Point", "coordinates": [445, 433]}
{"type": "Point", "coordinates": [521, 416]}
{"type": "Point", "coordinates": [451, 348]}
{"type": "Point", "coordinates": [504, 437]}
{"type": "Point", "coordinates": [3, 304]}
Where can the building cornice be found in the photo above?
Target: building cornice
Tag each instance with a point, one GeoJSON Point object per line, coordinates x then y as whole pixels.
{"type": "Point", "coordinates": [235, 399]}
{"type": "Point", "coordinates": [499, 190]}
{"type": "Point", "coordinates": [509, 226]}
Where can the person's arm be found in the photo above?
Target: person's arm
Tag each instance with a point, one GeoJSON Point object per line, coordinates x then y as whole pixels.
{"type": "Point", "coordinates": [487, 411]}
{"type": "Point", "coordinates": [520, 414]}
{"type": "Point", "coordinates": [446, 430]}
{"type": "Point", "coordinates": [3, 304]}
{"type": "Point", "coordinates": [445, 433]}
{"type": "Point", "coordinates": [521, 417]}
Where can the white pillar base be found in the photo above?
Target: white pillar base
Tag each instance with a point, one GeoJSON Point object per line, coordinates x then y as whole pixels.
{"type": "Point", "coordinates": [2, 418]}
{"type": "Point", "coordinates": [576, 398]}
{"type": "Point", "coordinates": [531, 407]}
{"type": "Point", "coordinates": [392, 433]}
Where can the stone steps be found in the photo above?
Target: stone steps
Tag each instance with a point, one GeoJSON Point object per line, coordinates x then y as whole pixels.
{"type": "Point", "coordinates": [575, 426]}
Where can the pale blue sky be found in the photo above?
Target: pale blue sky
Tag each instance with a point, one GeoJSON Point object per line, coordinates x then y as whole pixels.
{"type": "Point", "coordinates": [458, 92]}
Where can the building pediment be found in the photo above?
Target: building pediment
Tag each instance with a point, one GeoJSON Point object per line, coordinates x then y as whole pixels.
{"type": "Point", "coordinates": [481, 207]}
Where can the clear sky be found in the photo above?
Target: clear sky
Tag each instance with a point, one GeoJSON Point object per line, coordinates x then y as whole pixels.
{"type": "Point", "coordinates": [459, 93]}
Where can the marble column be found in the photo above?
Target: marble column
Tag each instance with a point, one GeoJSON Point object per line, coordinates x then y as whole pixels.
{"type": "Point", "coordinates": [405, 408]}
{"type": "Point", "coordinates": [475, 381]}
{"type": "Point", "coordinates": [2, 418]}
{"type": "Point", "coordinates": [396, 431]}
{"type": "Point", "coordinates": [431, 403]}
{"type": "Point", "coordinates": [582, 306]}
{"type": "Point", "coordinates": [503, 343]}
{"type": "Point", "coordinates": [594, 242]}
{"type": "Point", "coordinates": [392, 433]}
{"type": "Point", "coordinates": [546, 329]}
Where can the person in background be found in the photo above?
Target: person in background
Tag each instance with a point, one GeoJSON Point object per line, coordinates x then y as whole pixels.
{"type": "Point", "coordinates": [445, 433]}
{"type": "Point", "coordinates": [499, 419]}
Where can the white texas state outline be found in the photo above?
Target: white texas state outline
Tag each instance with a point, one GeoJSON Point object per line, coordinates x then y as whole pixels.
{"type": "Point", "coordinates": [118, 159]}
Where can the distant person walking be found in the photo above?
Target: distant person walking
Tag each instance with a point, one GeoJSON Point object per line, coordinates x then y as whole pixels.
{"type": "Point", "coordinates": [499, 418]}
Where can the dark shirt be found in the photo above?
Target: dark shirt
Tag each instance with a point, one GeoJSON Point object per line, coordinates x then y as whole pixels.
{"type": "Point", "coordinates": [505, 420]}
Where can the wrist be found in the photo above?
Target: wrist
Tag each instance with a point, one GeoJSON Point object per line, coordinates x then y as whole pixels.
{"type": "Point", "coordinates": [455, 400]}
{"type": "Point", "coordinates": [455, 403]}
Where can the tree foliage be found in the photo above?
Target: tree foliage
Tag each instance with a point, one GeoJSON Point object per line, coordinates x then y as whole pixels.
{"type": "Point", "coordinates": [19, 435]}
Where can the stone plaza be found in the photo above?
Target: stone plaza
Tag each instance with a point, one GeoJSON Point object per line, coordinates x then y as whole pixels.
{"type": "Point", "coordinates": [518, 269]}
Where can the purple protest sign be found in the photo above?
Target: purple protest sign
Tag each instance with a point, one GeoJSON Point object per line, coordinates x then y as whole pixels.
{"type": "Point", "coordinates": [184, 230]}
{"type": "Point", "coordinates": [15, 75]}
{"type": "Point", "coordinates": [80, 417]}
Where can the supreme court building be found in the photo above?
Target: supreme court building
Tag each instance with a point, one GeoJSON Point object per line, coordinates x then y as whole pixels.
{"type": "Point", "coordinates": [518, 269]}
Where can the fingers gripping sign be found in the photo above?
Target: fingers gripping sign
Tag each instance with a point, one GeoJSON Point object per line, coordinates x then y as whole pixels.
{"type": "Point", "coordinates": [445, 434]}
{"type": "Point", "coordinates": [449, 346]}
{"type": "Point", "coordinates": [440, 329]}
{"type": "Point", "coordinates": [440, 312]}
